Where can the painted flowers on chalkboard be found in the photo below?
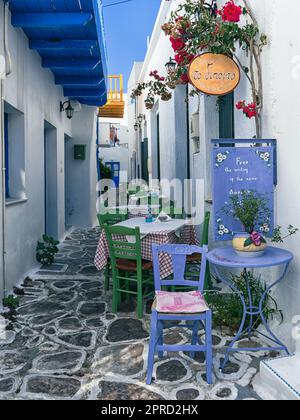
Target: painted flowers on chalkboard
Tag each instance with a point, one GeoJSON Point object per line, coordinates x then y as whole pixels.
{"type": "Point", "coordinates": [221, 157]}
{"type": "Point", "coordinates": [265, 156]}
{"type": "Point", "coordinates": [222, 229]}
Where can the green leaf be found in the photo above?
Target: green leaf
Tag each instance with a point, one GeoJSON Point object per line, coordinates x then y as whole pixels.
{"type": "Point", "coordinates": [248, 242]}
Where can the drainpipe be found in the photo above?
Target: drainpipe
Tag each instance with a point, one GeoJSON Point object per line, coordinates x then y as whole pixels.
{"type": "Point", "coordinates": [8, 71]}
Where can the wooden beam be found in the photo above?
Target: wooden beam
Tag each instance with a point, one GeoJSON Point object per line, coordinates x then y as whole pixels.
{"type": "Point", "coordinates": [62, 44]}
{"type": "Point", "coordinates": [50, 20]}
{"type": "Point", "coordinates": [79, 81]}
{"type": "Point", "coordinates": [70, 63]}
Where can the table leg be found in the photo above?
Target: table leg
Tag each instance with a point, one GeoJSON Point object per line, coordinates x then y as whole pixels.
{"type": "Point", "coordinates": [264, 320]}
{"type": "Point", "coordinates": [241, 329]}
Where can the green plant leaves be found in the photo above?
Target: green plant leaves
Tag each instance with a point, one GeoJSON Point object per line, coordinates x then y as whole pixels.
{"type": "Point", "coordinates": [248, 242]}
{"type": "Point", "coordinates": [46, 250]}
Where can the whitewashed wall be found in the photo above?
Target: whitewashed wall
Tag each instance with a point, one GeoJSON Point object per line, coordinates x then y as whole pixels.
{"type": "Point", "coordinates": [281, 120]}
{"type": "Point", "coordinates": [31, 90]}
{"type": "Point", "coordinates": [132, 113]}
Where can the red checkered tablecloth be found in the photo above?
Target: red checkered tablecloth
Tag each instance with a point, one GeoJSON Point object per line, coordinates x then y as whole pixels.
{"type": "Point", "coordinates": [187, 236]}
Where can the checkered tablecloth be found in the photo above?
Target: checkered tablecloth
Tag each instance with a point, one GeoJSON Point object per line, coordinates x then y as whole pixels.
{"type": "Point", "coordinates": [187, 236]}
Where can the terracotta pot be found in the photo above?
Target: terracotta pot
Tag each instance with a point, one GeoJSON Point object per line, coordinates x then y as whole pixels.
{"type": "Point", "coordinates": [250, 251]}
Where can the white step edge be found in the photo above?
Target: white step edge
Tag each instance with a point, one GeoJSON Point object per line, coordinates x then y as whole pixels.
{"type": "Point", "coordinates": [279, 379]}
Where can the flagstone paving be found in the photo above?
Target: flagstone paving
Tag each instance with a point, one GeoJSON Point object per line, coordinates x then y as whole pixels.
{"type": "Point", "coordinates": [66, 344]}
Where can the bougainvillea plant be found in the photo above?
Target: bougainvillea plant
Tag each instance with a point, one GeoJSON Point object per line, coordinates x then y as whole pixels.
{"type": "Point", "coordinates": [199, 26]}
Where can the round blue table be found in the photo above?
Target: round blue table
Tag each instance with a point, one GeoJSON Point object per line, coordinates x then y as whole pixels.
{"type": "Point", "coordinates": [228, 258]}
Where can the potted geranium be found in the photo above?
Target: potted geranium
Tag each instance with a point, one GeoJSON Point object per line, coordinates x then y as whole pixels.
{"type": "Point", "coordinates": [252, 210]}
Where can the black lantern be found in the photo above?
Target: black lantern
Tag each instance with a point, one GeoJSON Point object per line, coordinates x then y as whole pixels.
{"type": "Point", "coordinates": [212, 7]}
{"type": "Point", "coordinates": [140, 119]}
{"type": "Point", "coordinates": [67, 107]}
{"type": "Point", "coordinates": [171, 65]}
{"type": "Point", "coordinates": [136, 126]}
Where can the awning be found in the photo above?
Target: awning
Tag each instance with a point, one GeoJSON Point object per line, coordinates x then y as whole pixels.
{"type": "Point", "coordinates": [69, 36]}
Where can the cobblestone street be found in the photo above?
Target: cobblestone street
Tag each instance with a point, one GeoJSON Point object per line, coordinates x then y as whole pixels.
{"type": "Point", "coordinates": [66, 344]}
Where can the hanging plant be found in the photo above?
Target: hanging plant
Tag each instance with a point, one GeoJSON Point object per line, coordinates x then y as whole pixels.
{"type": "Point", "coordinates": [196, 27]}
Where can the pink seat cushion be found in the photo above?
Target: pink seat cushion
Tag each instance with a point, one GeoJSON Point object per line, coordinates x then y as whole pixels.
{"type": "Point", "coordinates": [181, 303]}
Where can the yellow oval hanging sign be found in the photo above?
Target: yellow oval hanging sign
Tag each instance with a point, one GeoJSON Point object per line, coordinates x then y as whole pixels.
{"type": "Point", "coordinates": [214, 74]}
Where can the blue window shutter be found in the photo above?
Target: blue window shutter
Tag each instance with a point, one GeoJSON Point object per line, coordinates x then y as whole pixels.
{"type": "Point", "coordinates": [6, 142]}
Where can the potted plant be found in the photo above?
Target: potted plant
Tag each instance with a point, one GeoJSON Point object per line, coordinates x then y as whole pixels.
{"type": "Point", "coordinates": [252, 210]}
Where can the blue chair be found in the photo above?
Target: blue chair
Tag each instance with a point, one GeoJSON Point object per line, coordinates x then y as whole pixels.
{"type": "Point", "coordinates": [179, 254]}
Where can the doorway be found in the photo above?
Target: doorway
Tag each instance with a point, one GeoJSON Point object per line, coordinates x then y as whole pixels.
{"type": "Point", "coordinates": [115, 170]}
{"type": "Point", "coordinates": [68, 183]}
{"type": "Point", "coordinates": [145, 156]}
{"type": "Point", "coordinates": [50, 180]}
{"type": "Point", "coordinates": [226, 117]}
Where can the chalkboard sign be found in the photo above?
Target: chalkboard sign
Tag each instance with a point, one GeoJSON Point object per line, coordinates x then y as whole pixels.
{"type": "Point", "coordinates": [236, 169]}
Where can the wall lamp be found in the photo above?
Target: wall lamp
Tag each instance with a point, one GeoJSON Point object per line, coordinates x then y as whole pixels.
{"type": "Point", "coordinates": [141, 118]}
{"type": "Point", "coordinates": [171, 65]}
{"type": "Point", "coordinates": [67, 107]}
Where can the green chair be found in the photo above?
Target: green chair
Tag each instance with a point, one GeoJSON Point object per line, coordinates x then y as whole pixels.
{"type": "Point", "coordinates": [128, 267]}
{"type": "Point", "coordinates": [109, 219]}
{"type": "Point", "coordinates": [172, 211]}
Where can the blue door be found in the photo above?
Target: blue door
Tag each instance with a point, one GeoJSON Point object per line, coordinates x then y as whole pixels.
{"type": "Point", "coordinates": [115, 170]}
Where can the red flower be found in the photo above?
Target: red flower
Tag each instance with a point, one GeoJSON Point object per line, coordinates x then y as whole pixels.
{"type": "Point", "coordinates": [241, 105]}
{"type": "Point", "coordinates": [185, 78]}
{"type": "Point", "coordinates": [231, 12]}
{"type": "Point", "coordinates": [177, 43]}
{"type": "Point", "coordinates": [249, 110]}
{"type": "Point", "coordinates": [183, 57]}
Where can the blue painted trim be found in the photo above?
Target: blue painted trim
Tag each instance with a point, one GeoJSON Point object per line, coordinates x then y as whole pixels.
{"type": "Point", "coordinates": [65, 44]}
{"type": "Point", "coordinates": [50, 20]}
{"type": "Point", "coordinates": [79, 81]}
{"type": "Point", "coordinates": [71, 63]}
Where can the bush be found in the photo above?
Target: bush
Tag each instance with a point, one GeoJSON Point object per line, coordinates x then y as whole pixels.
{"type": "Point", "coordinates": [46, 250]}
{"type": "Point", "coordinates": [228, 309]}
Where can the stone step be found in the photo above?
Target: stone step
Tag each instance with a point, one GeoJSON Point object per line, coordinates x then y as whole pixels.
{"type": "Point", "coordinates": [279, 379]}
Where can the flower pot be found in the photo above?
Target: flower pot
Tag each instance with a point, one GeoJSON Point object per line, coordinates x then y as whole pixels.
{"type": "Point", "coordinates": [250, 251]}
{"type": "Point", "coordinates": [149, 106]}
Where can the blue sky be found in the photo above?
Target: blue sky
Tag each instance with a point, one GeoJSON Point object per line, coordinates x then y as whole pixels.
{"type": "Point", "coordinates": [127, 27]}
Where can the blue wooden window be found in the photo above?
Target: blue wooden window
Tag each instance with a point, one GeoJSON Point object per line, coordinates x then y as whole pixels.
{"type": "Point", "coordinates": [6, 143]}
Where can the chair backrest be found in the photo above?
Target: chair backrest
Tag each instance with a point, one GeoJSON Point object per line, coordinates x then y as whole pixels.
{"type": "Point", "coordinates": [179, 254]}
{"type": "Point", "coordinates": [122, 248]}
{"type": "Point", "coordinates": [110, 219]}
{"type": "Point", "coordinates": [205, 230]}
{"type": "Point", "coordinates": [172, 210]}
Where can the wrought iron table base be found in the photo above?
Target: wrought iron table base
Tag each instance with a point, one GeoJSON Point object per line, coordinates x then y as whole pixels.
{"type": "Point", "coordinates": [252, 311]}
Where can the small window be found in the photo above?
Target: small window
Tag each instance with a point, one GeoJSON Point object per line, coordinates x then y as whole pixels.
{"type": "Point", "coordinates": [14, 141]}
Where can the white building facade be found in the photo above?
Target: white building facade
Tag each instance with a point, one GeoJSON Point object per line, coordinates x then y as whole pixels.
{"type": "Point", "coordinates": [173, 153]}
{"type": "Point", "coordinates": [46, 187]}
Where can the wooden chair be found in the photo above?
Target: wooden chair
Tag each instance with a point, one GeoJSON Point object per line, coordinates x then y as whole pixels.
{"type": "Point", "coordinates": [195, 316]}
{"type": "Point", "coordinates": [128, 267]}
{"type": "Point", "coordinates": [109, 219]}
